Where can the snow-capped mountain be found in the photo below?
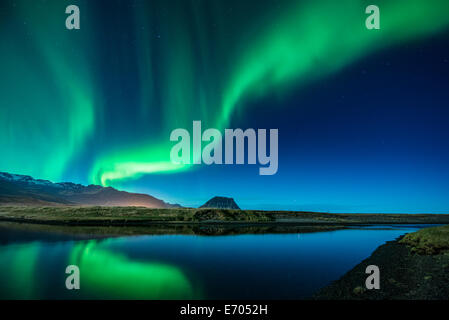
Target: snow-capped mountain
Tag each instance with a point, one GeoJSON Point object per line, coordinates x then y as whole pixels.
{"type": "Point", "coordinates": [16, 189]}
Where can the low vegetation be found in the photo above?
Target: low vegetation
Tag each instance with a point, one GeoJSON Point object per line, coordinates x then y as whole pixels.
{"type": "Point", "coordinates": [74, 214]}
{"type": "Point", "coordinates": [101, 216]}
{"type": "Point", "coordinates": [429, 241]}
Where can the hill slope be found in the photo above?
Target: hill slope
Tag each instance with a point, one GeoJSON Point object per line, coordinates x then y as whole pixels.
{"type": "Point", "coordinates": [24, 190]}
{"type": "Point", "coordinates": [221, 203]}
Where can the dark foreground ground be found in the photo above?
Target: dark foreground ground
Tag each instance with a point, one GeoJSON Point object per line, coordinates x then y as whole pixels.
{"type": "Point", "coordinates": [415, 267]}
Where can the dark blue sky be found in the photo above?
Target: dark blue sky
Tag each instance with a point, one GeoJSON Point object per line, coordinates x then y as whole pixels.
{"type": "Point", "coordinates": [371, 138]}
{"type": "Point", "coordinates": [363, 115]}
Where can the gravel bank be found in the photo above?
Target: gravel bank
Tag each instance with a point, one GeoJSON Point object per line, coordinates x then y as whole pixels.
{"type": "Point", "coordinates": [404, 275]}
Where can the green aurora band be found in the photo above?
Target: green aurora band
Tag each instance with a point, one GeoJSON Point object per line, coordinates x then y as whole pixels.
{"type": "Point", "coordinates": [195, 74]}
{"type": "Point", "coordinates": [47, 108]}
{"type": "Point", "coordinates": [18, 267]}
{"type": "Point", "coordinates": [105, 273]}
{"type": "Point", "coordinates": [113, 275]}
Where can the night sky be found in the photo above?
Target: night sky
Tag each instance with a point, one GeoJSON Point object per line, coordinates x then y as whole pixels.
{"type": "Point", "coordinates": [363, 115]}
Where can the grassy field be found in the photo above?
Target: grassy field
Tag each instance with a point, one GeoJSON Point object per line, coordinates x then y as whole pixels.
{"type": "Point", "coordinates": [429, 240]}
{"type": "Point", "coordinates": [138, 215]}
{"type": "Point", "coordinates": [74, 214]}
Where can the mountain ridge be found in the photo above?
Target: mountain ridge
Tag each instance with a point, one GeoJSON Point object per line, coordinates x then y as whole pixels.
{"type": "Point", "coordinates": [17, 189]}
{"type": "Point", "coordinates": [221, 203]}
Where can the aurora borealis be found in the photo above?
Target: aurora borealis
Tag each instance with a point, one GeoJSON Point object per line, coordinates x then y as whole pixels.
{"type": "Point", "coordinates": [106, 274]}
{"type": "Point", "coordinates": [97, 105]}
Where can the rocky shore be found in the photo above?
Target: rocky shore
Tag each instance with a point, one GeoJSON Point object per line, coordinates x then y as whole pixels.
{"type": "Point", "coordinates": [405, 274]}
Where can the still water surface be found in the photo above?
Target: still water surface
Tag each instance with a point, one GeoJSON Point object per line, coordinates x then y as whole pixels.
{"type": "Point", "coordinates": [247, 266]}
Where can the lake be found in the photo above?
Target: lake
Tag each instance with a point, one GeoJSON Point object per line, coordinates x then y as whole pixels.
{"type": "Point", "coordinates": [246, 266]}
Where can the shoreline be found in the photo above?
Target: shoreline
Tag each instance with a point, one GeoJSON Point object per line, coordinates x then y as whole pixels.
{"type": "Point", "coordinates": [146, 223]}
{"type": "Point", "coordinates": [138, 216]}
{"type": "Point", "coordinates": [404, 275]}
